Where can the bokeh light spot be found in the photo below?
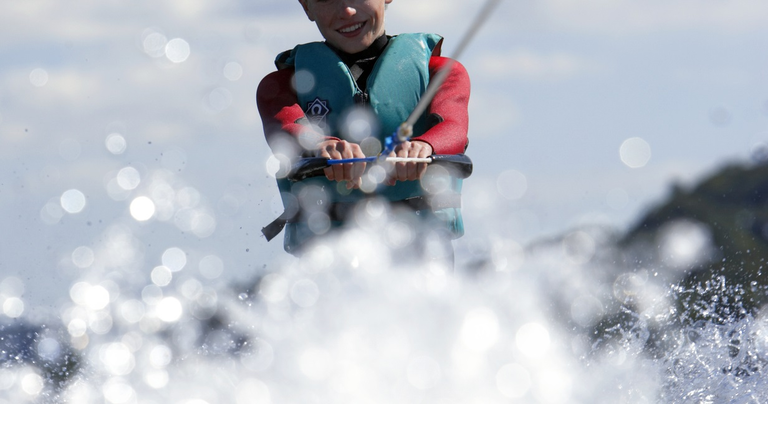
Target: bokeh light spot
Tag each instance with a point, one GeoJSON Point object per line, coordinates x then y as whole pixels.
{"type": "Point", "coordinates": [32, 384]}
{"type": "Point", "coordinates": [116, 143]}
{"type": "Point", "coordinates": [533, 340]}
{"type": "Point", "coordinates": [117, 391]}
{"type": "Point", "coordinates": [154, 44]}
{"type": "Point", "coordinates": [117, 358]}
{"type": "Point", "coordinates": [218, 99]}
{"type": "Point", "coordinates": [128, 178]}
{"type": "Point", "coordinates": [685, 243]}
{"type": "Point", "coordinates": [177, 50]}
{"type": "Point", "coordinates": [174, 259]}
{"type": "Point", "coordinates": [48, 349]}
{"type": "Point", "coordinates": [203, 224]}
{"type": "Point", "coordinates": [94, 297]}
{"type": "Point", "coordinates": [38, 77]}
{"type": "Point", "coordinates": [360, 123]}
{"type": "Point", "coordinates": [51, 213]}
{"type": "Point", "coordinates": [233, 71]}
{"type": "Point", "coordinates": [273, 287]}
{"type": "Point", "coordinates": [303, 81]}
{"type": "Point", "coordinates": [191, 288]}
{"type": "Point", "coordinates": [77, 327]}
{"type": "Point", "coordinates": [169, 309]}
{"type": "Point", "coordinates": [160, 356]}
{"type": "Point", "coordinates": [161, 276]}
{"type": "Point", "coordinates": [156, 378]}
{"type": "Point", "coordinates": [277, 166]}
{"type": "Point", "coordinates": [635, 152]}
{"type": "Point", "coordinates": [13, 307]}
{"type": "Point", "coordinates": [211, 267]}
{"type": "Point", "coordinates": [82, 257]}
{"type": "Point", "coordinates": [319, 223]}
{"type": "Point", "coordinates": [73, 201]}
{"type": "Point", "coordinates": [142, 208]}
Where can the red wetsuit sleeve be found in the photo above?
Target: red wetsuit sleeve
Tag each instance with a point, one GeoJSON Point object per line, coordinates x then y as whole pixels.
{"type": "Point", "coordinates": [279, 108]}
{"type": "Point", "coordinates": [451, 107]}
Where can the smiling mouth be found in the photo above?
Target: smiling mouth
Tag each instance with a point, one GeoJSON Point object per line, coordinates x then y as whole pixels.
{"type": "Point", "coordinates": [351, 28]}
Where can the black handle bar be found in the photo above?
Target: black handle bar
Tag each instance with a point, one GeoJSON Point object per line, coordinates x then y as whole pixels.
{"type": "Point", "coordinates": [459, 165]}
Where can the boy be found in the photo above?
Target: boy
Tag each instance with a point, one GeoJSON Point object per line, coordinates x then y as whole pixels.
{"type": "Point", "coordinates": [358, 65]}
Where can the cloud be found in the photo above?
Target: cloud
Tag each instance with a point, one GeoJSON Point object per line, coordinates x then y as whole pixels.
{"type": "Point", "coordinates": [630, 16]}
{"type": "Point", "coordinates": [534, 66]}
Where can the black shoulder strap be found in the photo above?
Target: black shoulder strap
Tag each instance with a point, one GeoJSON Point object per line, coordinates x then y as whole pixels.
{"type": "Point", "coordinates": [280, 61]}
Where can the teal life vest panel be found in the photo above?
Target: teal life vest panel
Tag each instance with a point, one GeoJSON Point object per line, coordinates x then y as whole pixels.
{"type": "Point", "coordinates": [327, 91]}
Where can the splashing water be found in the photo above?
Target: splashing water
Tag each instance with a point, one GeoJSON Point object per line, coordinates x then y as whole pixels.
{"type": "Point", "coordinates": [358, 319]}
{"type": "Point", "coordinates": [560, 321]}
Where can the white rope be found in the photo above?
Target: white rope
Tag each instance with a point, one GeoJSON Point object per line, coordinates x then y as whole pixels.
{"type": "Point", "coordinates": [406, 129]}
{"type": "Point", "coordinates": [406, 159]}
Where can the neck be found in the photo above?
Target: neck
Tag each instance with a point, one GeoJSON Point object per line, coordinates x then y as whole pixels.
{"type": "Point", "coordinates": [372, 51]}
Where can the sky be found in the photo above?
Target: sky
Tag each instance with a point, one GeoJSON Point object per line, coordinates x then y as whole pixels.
{"type": "Point", "coordinates": [130, 129]}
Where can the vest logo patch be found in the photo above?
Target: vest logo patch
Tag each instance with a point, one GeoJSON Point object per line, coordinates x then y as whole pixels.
{"type": "Point", "coordinates": [317, 110]}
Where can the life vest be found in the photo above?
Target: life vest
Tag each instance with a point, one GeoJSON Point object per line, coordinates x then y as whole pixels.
{"type": "Point", "coordinates": [397, 81]}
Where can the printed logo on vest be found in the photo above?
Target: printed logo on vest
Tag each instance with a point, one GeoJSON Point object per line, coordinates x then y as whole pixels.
{"type": "Point", "coordinates": [317, 111]}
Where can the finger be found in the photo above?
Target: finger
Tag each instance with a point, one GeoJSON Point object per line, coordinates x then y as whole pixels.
{"type": "Point", "coordinates": [338, 172]}
{"type": "Point", "coordinates": [410, 150]}
{"type": "Point", "coordinates": [341, 151]}
{"type": "Point", "coordinates": [412, 171]}
{"type": "Point", "coordinates": [356, 169]}
{"type": "Point", "coordinates": [404, 149]}
{"type": "Point", "coordinates": [347, 167]}
{"type": "Point", "coordinates": [426, 151]}
{"type": "Point", "coordinates": [401, 171]}
{"type": "Point", "coordinates": [357, 173]}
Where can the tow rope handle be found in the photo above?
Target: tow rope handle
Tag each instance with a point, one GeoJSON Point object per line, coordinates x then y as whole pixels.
{"type": "Point", "coordinates": [458, 165]}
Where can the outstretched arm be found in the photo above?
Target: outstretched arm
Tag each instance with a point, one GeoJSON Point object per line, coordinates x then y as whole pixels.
{"type": "Point", "coordinates": [280, 111]}
{"type": "Point", "coordinates": [449, 110]}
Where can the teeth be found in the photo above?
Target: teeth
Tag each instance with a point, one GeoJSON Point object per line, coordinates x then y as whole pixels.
{"type": "Point", "coordinates": [351, 28]}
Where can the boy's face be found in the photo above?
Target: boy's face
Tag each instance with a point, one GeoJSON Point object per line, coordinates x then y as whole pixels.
{"type": "Point", "coordinates": [348, 25]}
